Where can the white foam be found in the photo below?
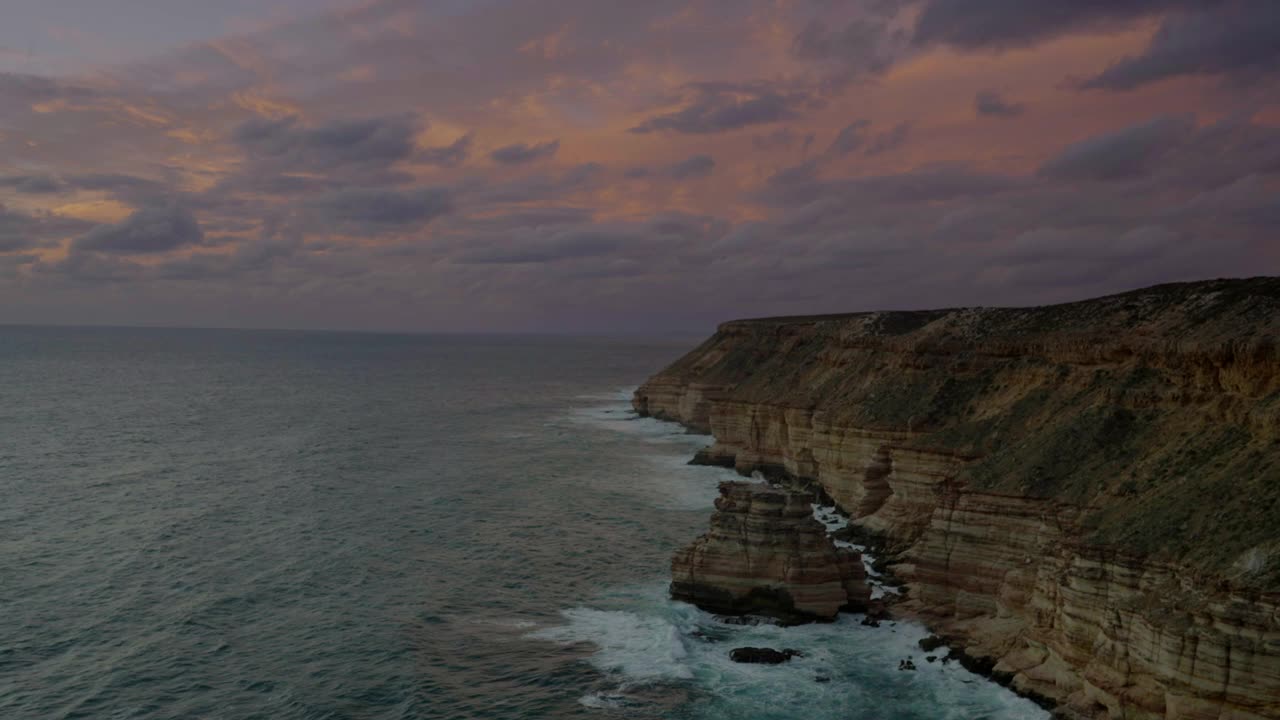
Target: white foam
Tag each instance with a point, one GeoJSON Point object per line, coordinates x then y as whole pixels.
{"type": "Point", "coordinates": [614, 412]}
{"type": "Point", "coordinates": [656, 642]}
{"type": "Point", "coordinates": [644, 640]}
{"type": "Point", "coordinates": [834, 522]}
{"type": "Point", "coordinates": [605, 700]}
{"type": "Point", "coordinates": [646, 647]}
{"type": "Point", "coordinates": [667, 480]}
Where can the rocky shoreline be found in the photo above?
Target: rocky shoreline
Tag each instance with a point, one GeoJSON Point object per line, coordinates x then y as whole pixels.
{"type": "Point", "coordinates": [766, 555]}
{"type": "Point", "coordinates": [1083, 498]}
{"type": "Point", "coordinates": [796, 501]}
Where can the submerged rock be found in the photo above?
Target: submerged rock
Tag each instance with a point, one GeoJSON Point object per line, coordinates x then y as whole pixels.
{"type": "Point", "coordinates": [762, 656]}
{"type": "Point", "coordinates": [765, 554]}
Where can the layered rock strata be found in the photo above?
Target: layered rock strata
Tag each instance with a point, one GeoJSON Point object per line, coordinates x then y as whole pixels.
{"type": "Point", "coordinates": [1087, 494]}
{"type": "Point", "coordinates": [765, 554]}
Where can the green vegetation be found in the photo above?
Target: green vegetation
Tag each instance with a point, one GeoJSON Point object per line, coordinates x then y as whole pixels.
{"type": "Point", "coordinates": [1135, 406]}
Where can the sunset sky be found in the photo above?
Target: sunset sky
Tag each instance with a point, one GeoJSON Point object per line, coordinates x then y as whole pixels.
{"type": "Point", "coordinates": [586, 165]}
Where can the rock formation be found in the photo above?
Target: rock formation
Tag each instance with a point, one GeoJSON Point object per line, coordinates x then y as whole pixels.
{"type": "Point", "coordinates": [762, 656]}
{"type": "Point", "coordinates": [766, 555]}
{"type": "Point", "coordinates": [1087, 495]}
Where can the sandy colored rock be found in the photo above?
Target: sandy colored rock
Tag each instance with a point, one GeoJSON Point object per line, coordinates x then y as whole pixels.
{"type": "Point", "coordinates": [765, 554]}
{"type": "Point", "coordinates": [1088, 494]}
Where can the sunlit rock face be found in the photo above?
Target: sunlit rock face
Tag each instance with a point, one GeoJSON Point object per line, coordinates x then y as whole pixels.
{"type": "Point", "coordinates": [765, 554]}
{"type": "Point", "coordinates": [1087, 493]}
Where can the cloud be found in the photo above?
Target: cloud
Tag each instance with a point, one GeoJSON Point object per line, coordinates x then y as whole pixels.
{"type": "Point", "coordinates": [286, 144]}
{"type": "Point", "coordinates": [989, 103]}
{"type": "Point", "coordinates": [521, 153]}
{"type": "Point", "coordinates": [891, 139]}
{"type": "Point", "coordinates": [1126, 153]}
{"type": "Point", "coordinates": [782, 139]}
{"type": "Point", "coordinates": [691, 168]}
{"type": "Point", "coordinates": [864, 45]}
{"type": "Point", "coordinates": [146, 231]}
{"type": "Point", "coordinates": [715, 107]}
{"type": "Point", "coordinates": [320, 205]}
{"type": "Point", "coordinates": [373, 210]}
{"type": "Point", "coordinates": [1230, 37]}
{"type": "Point", "coordinates": [448, 156]}
{"type": "Point", "coordinates": [32, 184]}
{"type": "Point", "coordinates": [695, 166]}
{"type": "Point", "coordinates": [1002, 24]}
{"type": "Point", "coordinates": [34, 88]}
{"type": "Point", "coordinates": [850, 138]}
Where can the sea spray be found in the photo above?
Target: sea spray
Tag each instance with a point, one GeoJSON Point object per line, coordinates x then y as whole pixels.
{"type": "Point", "coordinates": [649, 645]}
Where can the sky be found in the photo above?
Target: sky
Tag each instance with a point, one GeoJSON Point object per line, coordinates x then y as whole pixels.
{"type": "Point", "coordinates": [597, 165]}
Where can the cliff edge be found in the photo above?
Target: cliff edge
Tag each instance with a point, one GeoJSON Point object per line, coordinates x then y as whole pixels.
{"type": "Point", "coordinates": [1088, 493]}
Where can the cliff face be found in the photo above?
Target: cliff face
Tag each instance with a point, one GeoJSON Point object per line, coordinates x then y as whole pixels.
{"type": "Point", "coordinates": [1089, 493]}
{"type": "Point", "coordinates": [766, 554]}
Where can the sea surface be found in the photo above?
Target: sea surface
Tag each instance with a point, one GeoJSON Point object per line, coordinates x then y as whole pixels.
{"type": "Point", "coordinates": [279, 525]}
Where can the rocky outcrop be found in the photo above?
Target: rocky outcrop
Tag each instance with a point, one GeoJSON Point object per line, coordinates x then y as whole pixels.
{"type": "Point", "coordinates": [765, 554]}
{"type": "Point", "coordinates": [762, 656]}
{"type": "Point", "coordinates": [1086, 494]}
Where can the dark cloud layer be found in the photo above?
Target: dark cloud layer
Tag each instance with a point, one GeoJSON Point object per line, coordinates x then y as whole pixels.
{"type": "Point", "coordinates": [1228, 37]}
{"type": "Point", "coordinates": [287, 144]}
{"type": "Point", "coordinates": [373, 211]}
{"type": "Point", "coordinates": [521, 153]}
{"type": "Point", "coordinates": [719, 107]}
{"type": "Point", "coordinates": [451, 155]}
{"type": "Point", "coordinates": [149, 230]}
{"type": "Point", "coordinates": [1126, 153]}
{"type": "Point", "coordinates": [25, 231]}
{"type": "Point", "coordinates": [992, 104]}
{"type": "Point", "coordinates": [691, 168]}
{"type": "Point", "coordinates": [975, 24]}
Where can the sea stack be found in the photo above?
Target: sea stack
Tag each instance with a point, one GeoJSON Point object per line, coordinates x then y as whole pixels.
{"type": "Point", "coordinates": [1085, 497]}
{"type": "Point", "coordinates": [766, 555]}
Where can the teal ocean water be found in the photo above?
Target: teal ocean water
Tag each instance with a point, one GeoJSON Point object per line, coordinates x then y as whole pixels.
{"type": "Point", "coordinates": [226, 524]}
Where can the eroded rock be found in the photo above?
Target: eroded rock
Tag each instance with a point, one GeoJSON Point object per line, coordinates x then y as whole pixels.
{"type": "Point", "coordinates": [766, 555]}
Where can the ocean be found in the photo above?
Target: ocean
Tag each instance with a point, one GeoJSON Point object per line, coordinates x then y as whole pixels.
{"type": "Point", "coordinates": [261, 524]}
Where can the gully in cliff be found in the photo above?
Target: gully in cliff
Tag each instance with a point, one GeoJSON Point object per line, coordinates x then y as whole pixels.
{"type": "Point", "coordinates": [765, 554]}
{"type": "Point", "coordinates": [1084, 499]}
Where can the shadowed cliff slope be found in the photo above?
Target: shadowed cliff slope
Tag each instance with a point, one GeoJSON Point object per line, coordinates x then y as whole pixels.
{"type": "Point", "coordinates": [1098, 474]}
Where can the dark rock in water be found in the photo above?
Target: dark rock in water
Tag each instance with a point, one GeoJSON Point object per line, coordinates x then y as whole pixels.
{"type": "Point", "coordinates": [906, 664]}
{"type": "Point", "coordinates": [821, 678]}
{"type": "Point", "coordinates": [877, 610]}
{"type": "Point", "coordinates": [763, 656]}
{"type": "Point", "coordinates": [931, 643]}
{"type": "Point", "coordinates": [751, 620]}
{"type": "Point", "coordinates": [870, 621]}
{"type": "Point", "coordinates": [931, 658]}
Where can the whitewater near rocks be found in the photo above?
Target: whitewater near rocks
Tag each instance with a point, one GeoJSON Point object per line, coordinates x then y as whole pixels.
{"type": "Point", "coordinates": [667, 658]}
{"type": "Point", "coordinates": [1087, 494]}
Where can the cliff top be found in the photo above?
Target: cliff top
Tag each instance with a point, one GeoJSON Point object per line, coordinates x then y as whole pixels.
{"type": "Point", "coordinates": [1225, 308]}
{"type": "Point", "coordinates": [1156, 410]}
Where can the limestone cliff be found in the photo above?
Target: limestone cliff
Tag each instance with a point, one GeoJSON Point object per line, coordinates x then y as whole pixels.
{"type": "Point", "coordinates": [1088, 493]}
{"type": "Point", "coordinates": [766, 554]}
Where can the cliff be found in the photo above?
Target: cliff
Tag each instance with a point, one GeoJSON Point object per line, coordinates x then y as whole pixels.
{"type": "Point", "coordinates": [1088, 493]}
{"type": "Point", "coordinates": [766, 554]}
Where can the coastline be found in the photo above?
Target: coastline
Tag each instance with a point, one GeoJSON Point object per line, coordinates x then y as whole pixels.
{"type": "Point", "coordinates": [870, 544]}
{"type": "Point", "coordinates": [1083, 496]}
